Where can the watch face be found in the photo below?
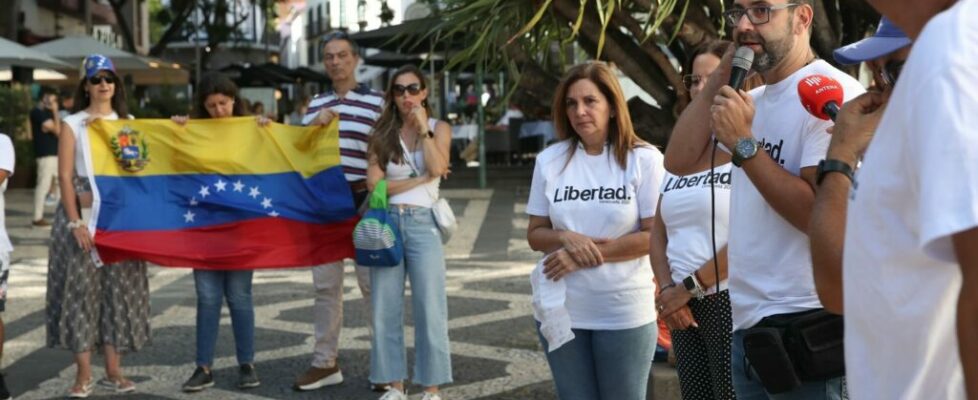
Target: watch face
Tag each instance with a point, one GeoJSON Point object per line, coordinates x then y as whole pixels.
{"type": "Point", "coordinates": [745, 148]}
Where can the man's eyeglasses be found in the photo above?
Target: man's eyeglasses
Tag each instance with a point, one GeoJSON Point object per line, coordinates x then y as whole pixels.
{"type": "Point", "coordinates": [98, 79]}
{"type": "Point", "coordinates": [412, 89]}
{"type": "Point", "coordinates": [891, 71]}
{"type": "Point", "coordinates": [756, 14]}
{"type": "Point", "coordinates": [690, 81]}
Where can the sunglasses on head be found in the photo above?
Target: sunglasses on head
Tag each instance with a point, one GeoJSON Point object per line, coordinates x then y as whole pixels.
{"type": "Point", "coordinates": [98, 79]}
{"type": "Point", "coordinates": [413, 89]}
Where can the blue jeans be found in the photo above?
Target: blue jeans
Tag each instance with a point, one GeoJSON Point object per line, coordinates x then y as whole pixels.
{"type": "Point", "coordinates": [749, 387]}
{"type": "Point", "coordinates": [212, 288]}
{"type": "Point", "coordinates": [603, 364]}
{"type": "Point", "coordinates": [424, 265]}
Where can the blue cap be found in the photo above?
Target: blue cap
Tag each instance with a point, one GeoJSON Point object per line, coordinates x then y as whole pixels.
{"type": "Point", "coordinates": [888, 38]}
{"type": "Point", "coordinates": [95, 63]}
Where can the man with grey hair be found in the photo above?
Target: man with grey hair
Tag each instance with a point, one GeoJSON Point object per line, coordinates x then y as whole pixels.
{"type": "Point", "coordinates": [358, 107]}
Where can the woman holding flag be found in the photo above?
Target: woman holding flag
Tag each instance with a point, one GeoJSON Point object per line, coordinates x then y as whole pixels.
{"type": "Point", "coordinates": [217, 97]}
{"type": "Point", "coordinates": [410, 150]}
{"type": "Point", "coordinates": [91, 307]}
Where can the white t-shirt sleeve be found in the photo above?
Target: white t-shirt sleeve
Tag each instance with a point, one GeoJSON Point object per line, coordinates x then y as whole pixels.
{"type": "Point", "coordinates": [944, 155]}
{"type": "Point", "coordinates": [651, 172]}
{"type": "Point", "coordinates": [537, 204]}
{"type": "Point", "coordinates": [6, 154]}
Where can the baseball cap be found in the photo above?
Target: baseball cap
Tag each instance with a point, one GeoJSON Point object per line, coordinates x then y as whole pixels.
{"type": "Point", "coordinates": [95, 63]}
{"type": "Point", "coordinates": [888, 38]}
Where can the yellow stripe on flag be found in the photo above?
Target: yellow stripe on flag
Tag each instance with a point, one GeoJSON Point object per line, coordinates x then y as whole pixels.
{"type": "Point", "coordinates": [145, 147]}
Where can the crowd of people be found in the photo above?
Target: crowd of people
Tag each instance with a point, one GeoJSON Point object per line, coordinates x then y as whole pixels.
{"type": "Point", "coordinates": [756, 237]}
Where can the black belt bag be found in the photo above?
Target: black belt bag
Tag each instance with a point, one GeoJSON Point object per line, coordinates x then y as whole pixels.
{"type": "Point", "coordinates": [786, 349]}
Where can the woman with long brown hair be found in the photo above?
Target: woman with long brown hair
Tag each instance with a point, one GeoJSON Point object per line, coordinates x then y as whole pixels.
{"type": "Point", "coordinates": [91, 307]}
{"type": "Point", "coordinates": [410, 150]}
{"type": "Point", "coordinates": [591, 205]}
{"type": "Point", "coordinates": [217, 97]}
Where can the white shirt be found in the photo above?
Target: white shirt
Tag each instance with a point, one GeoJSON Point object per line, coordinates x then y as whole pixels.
{"type": "Point", "coordinates": [76, 122]}
{"type": "Point", "coordinates": [592, 195]}
{"type": "Point", "coordinates": [686, 210]}
{"type": "Point", "coordinates": [918, 185]}
{"type": "Point", "coordinates": [6, 163]}
{"type": "Point", "coordinates": [769, 259]}
{"type": "Point", "coordinates": [423, 195]}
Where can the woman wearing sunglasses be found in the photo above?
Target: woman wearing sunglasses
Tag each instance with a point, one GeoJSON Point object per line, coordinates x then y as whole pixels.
{"type": "Point", "coordinates": [91, 307]}
{"type": "Point", "coordinates": [410, 150]}
{"type": "Point", "coordinates": [217, 97]}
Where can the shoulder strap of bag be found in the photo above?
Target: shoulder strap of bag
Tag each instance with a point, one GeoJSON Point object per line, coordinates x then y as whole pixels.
{"type": "Point", "coordinates": [409, 157]}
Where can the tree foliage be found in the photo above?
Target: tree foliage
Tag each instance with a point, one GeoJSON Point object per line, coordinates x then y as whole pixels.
{"type": "Point", "coordinates": [648, 40]}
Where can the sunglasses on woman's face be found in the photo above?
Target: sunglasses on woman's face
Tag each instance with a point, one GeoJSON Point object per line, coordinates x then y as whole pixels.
{"type": "Point", "coordinates": [412, 89]}
{"type": "Point", "coordinates": [95, 80]}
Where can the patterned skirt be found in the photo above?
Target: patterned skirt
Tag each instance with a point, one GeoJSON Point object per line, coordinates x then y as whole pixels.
{"type": "Point", "coordinates": [89, 307]}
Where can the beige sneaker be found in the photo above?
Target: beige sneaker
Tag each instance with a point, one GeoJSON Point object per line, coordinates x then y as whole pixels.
{"type": "Point", "coordinates": [315, 378]}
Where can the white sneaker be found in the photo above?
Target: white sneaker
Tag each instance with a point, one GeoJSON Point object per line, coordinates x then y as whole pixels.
{"type": "Point", "coordinates": [394, 394]}
{"type": "Point", "coordinates": [431, 396]}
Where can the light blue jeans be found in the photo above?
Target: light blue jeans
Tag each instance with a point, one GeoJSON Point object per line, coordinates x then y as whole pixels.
{"type": "Point", "coordinates": [603, 365]}
{"type": "Point", "coordinates": [748, 385]}
{"type": "Point", "coordinates": [212, 288]}
{"type": "Point", "coordinates": [424, 266]}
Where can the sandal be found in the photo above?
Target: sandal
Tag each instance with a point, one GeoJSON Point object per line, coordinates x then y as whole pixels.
{"type": "Point", "coordinates": [122, 385]}
{"type": "Point", "coordinates": [81, 391]}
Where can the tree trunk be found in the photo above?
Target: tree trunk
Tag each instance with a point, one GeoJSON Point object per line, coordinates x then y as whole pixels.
{"type": "Point", "coordinates": [182, 11]}
{"type": "Point", "coordinates": [125, 25]}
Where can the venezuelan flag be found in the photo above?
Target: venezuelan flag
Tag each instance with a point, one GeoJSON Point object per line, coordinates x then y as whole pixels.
{"type": "Point", "coordinates": [219, 193]}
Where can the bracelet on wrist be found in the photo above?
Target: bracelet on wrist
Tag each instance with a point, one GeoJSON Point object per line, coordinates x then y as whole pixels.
{"type": "Point", "coordinates": [663, 288]}
{"type": "Point", "coordinates": [76, 224]}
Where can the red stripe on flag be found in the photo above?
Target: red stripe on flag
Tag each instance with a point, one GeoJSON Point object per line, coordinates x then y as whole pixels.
{"type": "Point", "coordinates": [251, 244]}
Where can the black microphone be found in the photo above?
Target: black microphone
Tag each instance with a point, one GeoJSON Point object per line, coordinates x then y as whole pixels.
{"type": "Point", "coordinates": [743, 58]}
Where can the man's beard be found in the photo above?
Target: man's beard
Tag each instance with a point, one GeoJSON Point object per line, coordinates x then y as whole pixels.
{"type": "Point", "coordinates": [773, 51]}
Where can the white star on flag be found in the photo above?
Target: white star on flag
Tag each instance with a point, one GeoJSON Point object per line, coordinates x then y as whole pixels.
{"type": "Point", "coordinates": [220, 185]}
{"type": "Point", "coordinates": [188, 217]}
{"type": "Point", "coordinates": [193, 201]}
{"type": "Point", "coordinates": [267, 203]}
{"type": "Point", "coordinates": [204, 191]}
{"type": "Point", "coordinates": [254, 192]}
{"type": "Point", "coordinates": [273, 214]}
{"type": "Point", "coordinates": [238, 186]}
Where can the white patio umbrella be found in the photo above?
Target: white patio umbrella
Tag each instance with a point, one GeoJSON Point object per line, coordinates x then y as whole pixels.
{"type": "Point", "coordinates": [144, 70]}
{"type": "Point", "coordinates": [13, 54]}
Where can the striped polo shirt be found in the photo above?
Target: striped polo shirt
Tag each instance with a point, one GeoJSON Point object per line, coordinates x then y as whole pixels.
{"type": "Point", "coordinates": [358, 110]}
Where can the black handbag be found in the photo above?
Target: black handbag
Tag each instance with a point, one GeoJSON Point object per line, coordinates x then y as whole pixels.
{"type": "Point", "coordinates": [787, 349]}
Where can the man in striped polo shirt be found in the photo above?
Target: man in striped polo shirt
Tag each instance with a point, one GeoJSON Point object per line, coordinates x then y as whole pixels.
{"type": "Point", "coordinates": [358, 107]}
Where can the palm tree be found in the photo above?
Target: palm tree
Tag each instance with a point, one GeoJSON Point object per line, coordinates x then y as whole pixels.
{"type": "Point", "coordinates": [648, 40]}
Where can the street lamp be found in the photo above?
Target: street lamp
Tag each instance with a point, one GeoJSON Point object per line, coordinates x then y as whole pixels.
{"type": "Point", "coordinates": [362, 14]}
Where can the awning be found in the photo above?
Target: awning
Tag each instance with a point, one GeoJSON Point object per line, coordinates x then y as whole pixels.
{"type": "Point", "coordinates": [246, 75]}
{"type": "Point", "coordinates": [410, 37]}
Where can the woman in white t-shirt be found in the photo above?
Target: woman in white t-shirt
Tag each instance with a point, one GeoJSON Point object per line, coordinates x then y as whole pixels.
{"type": "Point", "coordinates": [691, 209]}
{"type": "Point", "coordinates": [91, 307]}
{"type": "Point", "coordinates": [410, 150]}
{"type": "Point", "coordinates": [591, 205]}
